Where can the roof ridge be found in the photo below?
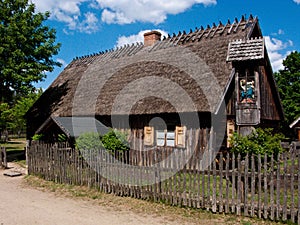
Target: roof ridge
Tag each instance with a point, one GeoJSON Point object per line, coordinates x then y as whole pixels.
{"type": "Point", "coordinates": [181, 38]}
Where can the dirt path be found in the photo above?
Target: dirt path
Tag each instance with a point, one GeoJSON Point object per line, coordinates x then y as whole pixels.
{"type": "Point", "coordinates": [24, 205]}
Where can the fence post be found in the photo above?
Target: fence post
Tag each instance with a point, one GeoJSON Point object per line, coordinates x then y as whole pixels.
{"type": "Point", "coordinates": [3, 158]}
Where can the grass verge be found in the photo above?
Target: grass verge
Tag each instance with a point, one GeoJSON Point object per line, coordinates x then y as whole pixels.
{"type": "Point", "coordinates": [15, 150]}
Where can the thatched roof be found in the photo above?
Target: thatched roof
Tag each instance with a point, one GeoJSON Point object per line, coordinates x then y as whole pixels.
{"type": "Point", "coordinates": [186, 72]}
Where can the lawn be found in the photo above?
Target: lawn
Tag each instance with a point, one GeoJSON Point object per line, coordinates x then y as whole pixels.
{"type": "Point", "coordinates": [15, 149]}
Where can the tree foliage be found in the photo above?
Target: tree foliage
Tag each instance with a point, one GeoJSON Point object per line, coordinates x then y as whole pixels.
{"type": "Point", "coordinates": [12, 118]}
{"type": "Point", "coordinates": [261, 141]}
{"type": "Point", "coordinates": [288, 81]}
{"type": "Point", "coordinates": [26, 48]}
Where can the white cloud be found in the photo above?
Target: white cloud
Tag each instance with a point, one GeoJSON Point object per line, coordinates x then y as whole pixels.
{"type": "Point", "coordinates": [153, 11]}
{"type": "Point", "coordinates": [115, 17]}
{"type": "Point", "coordinates": [89, 24]}
{"type": "Point", "coordinates": [63, 62]}
{"type": "Point", "coordinates": [277, 50]}
{"type": "Point", "coordinates": [280, 31]}
{"type": "Point", "coordinates": [114, 11]}
{"type": "Point", "coordinates": [69, 12]}
{"type": "Point", "coordinates": [297, 1]}
{"type": "Point", "coordinates": [123, 40]}
{"type": "Point", "coordinates": [66, 6]}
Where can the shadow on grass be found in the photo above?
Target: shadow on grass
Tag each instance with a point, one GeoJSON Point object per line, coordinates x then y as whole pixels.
{"type": "Point", "coordinates": [15, 155]}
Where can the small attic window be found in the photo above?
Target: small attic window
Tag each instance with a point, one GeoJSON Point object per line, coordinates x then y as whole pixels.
{"type": "Point", "coordinates": [247, 87]}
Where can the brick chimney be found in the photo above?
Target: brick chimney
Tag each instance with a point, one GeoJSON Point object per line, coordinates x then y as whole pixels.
{"type": "Point", "coordinates": [150, 38]}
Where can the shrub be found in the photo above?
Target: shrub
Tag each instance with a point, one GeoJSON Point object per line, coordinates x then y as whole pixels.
{"type": "Point", "coordinates": [37, 137]}
{"type": "Point", "coordinates": [89, 141]}
{"type": "Point", "coordinates": [261, 141]}
{"type": "Point", "coordinates": [115, 141]}
{"type": "Point", "coordinates": [62, 138]}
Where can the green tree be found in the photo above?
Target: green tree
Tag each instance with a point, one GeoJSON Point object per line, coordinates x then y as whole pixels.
{"type": "Point", "coordinates": [17, 122]}
{"type": "Point", "coordinates": [288, 81]}
{"type": "Point", "coordinates": [26, 48]}
{"type": "Point", "coordinates": [12, 118]}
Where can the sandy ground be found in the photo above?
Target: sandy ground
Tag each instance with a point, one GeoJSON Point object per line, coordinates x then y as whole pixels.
{"type": "Point", "coordinates": [20, 204]}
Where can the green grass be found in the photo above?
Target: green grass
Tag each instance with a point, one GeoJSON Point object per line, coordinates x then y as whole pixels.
{"type": "Point", "coordinates": [17, 144]}
{"type": "Point", "coordinates": [15, 150]}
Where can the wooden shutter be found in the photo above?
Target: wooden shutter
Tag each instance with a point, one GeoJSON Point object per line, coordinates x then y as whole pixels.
{"type": "Point", "coordinates": [180, 136]}
{"type": "Point", "coordinates": [148, 136]}
{"type": "Point", "coordinates": [230, 131]}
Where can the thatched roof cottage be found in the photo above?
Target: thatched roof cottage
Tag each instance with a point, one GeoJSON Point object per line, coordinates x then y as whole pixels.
{"type": "Point", "coordinates": [213, 80]}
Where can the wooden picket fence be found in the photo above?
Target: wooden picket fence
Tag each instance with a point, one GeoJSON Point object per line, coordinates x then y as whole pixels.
{"type": "Point", "coordinates": [255, 186]}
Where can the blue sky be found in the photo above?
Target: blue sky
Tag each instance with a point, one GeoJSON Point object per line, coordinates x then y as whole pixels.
{"type": "Point", "coordinates": [89, 26]}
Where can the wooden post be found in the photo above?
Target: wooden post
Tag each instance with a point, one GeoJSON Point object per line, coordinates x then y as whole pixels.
{"type": "Point", "coordinates": [3, 157]}
{"type": "Point", "coordinates": [278, 210]}
{"type": "Point", "coordinates": [259, 186]}
{"type": "Point", "coordinates": [240, 187]}
{"type": "Point", "coordinates": [292, 172]}
{"type": "Point", "coordinates": [253, 182]}
{"type": "Point", "coordinates": [227, 184]}
{"type": "Point", "coordinates": [233, 186]}
{"type": "Point", "coordinates": [246, 185]}
{"type": "Point", "coordinates": [221, 183]}
{"type": "Point", "coordinates": [285, 181]}
{"type": "Point", "coordinates": [214, 193]}
{"type": "Point", "coordinates": [272, 189]}
{"type": "Point", "coordinates": [265, 188]}
{"type": "Point", "coordinates": [298, 159]}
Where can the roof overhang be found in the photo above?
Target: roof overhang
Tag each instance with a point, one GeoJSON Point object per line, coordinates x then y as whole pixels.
{"type": "Point", "coordinates": [75, 126]}
{"type": "Point", "coordinates": [243, 50]}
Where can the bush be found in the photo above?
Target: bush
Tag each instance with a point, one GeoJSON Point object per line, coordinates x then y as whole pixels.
{"type": "Point", "coordinates": [37, 137]}
{"type": "Point", "coordinates": [261, 141]}
{"type": "Point", "coordinates": [62, 138]}
{"type": "Point", "coordinates": [115, 141]}
{"type": "Point", "coordinates": [89, 141]}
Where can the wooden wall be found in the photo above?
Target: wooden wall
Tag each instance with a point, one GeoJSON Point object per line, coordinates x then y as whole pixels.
{"type": "Point", "coordinates": [269, 108]}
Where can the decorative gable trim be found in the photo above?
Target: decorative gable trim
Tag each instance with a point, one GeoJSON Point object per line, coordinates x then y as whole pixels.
{"type": "Point", "coordinates": [242, 50]}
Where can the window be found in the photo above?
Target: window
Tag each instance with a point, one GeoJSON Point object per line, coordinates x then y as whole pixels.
{"type": "Point", "coordinates": [171, 138]}
{"type": "Point", "coordinates": [160, 138]}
